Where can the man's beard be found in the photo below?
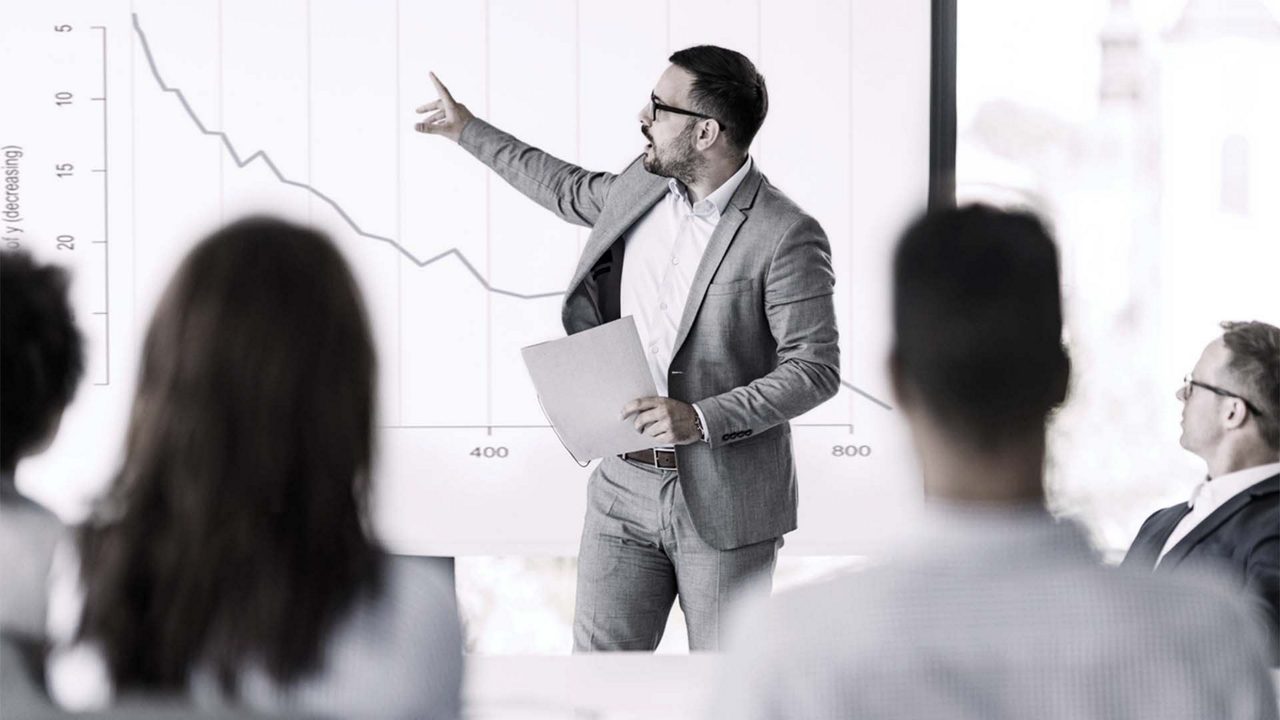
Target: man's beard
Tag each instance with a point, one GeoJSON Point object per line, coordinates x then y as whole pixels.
{"type": "Point", "coordinates": [682, 162]}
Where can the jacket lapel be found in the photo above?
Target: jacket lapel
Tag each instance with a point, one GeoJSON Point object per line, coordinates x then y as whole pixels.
{"type": "Point", "coordinates": [611, 227]}
{"type": "Point", "coordinates": [734, 215]}
{"type": "Point", "coordinates": [1179, 552]}
{"type": "Point", "coordinates": [1147, 547]}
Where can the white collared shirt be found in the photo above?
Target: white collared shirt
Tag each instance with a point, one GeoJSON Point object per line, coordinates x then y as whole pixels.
{"type": "Point", "coordinates": [1212, 494]}
{"type": "Point", "coordinates": [663, 251]}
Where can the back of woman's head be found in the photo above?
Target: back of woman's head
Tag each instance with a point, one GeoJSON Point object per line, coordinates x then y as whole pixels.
{"type": "Point", "coordinates": [235, 530]}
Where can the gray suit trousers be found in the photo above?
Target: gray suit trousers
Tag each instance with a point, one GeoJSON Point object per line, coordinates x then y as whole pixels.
{"type": "Point", "coordinates": [640, 551]}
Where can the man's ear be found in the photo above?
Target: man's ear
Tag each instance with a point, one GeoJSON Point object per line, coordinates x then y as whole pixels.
{"type": "Point", "coordinates": [708, 131]}
{"type": "Point", "coordinates": [1234, 413]}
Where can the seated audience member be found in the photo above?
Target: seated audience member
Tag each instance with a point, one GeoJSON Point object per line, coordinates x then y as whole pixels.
{"type": "Point", "coordinates": [996, 610]}
{"type": "Point", "coordinates": [1231, 419]}
{"type": "Point", "coordinates": [41, 360]}
{"type": "Point", "coordinates": [230, 561]}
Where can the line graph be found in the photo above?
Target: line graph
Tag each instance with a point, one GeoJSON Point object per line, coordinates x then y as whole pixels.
{"type": "Point", "coordinates": [225, 108]}
{"type": "Point", "coordinates": [242, 161]}
{"type": "Point", "coordinates": [275, 170]}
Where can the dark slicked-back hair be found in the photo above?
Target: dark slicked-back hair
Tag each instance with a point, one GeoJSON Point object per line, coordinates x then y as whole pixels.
{"type": "Point", "coordinates": [41, 352]}
{"type": "Point", "coordinates": [234, 532]}
{"type": "Point", "coordinates": [1255, 364]}
{"type": "Point", "coordinates": [977, 317]}
{"type": "Point", "coordinates": [727, 87]}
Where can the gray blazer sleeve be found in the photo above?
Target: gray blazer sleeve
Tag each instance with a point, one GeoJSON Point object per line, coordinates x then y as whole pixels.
{"type": "Point", "coordinates": [798, 304]}
{"type": "Point", "coordinates": [575, 194]}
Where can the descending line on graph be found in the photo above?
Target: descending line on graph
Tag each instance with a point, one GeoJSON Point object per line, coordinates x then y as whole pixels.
{"type": "Point", "coordinates": [355, 227]}
{"type": "Point", "coordinates": [266, 159]}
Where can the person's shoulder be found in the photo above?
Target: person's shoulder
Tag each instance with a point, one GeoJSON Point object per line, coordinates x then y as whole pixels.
{"type": "Point", "coordinates": [29, 524]}
{"type": "Point", "coordinates": [403, 640]}
{"type": "Point", "coordinates": [1199, 600]}
{"type": "Point", "coordinates": [837, 615]}
{"type": "Point", "coordinates": [1264, 497]}
{"type": "Point", "coordinates": [413, 602]}
{"type": "Point", "coordinates": [1152, 519]}
{"type": "Point", "coordinates": [773, 205]}
{"type": "Point", "coordinates": [1256, 528]}
{"type": "Point", "coordinates": [1166, 510]}
{"type": "Point", "coordinates": [18, 507]}
{"type": "Point", "coordinates": [417, 587]}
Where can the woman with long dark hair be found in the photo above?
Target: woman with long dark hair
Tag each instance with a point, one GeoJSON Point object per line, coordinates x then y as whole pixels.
{"type": "Point", "coordinates": [231, 557]}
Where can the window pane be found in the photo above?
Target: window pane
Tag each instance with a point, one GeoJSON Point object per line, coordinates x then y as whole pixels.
{"type": "Point", "coordinates": [1135, 128]}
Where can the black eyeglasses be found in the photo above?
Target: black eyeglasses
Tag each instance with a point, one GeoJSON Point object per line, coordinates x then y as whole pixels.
{"type": "Point", "coordinates": [655, 106]}
{"type": "Point", "coordinates": [1189, 382]}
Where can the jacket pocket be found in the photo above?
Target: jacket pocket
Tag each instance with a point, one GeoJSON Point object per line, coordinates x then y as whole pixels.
{"type": "Point", "coordinates": [731, 287]}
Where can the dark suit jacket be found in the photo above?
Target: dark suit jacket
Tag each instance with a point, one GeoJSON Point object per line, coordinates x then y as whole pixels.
{"type": "Point", "coordinates": [1241, 539]}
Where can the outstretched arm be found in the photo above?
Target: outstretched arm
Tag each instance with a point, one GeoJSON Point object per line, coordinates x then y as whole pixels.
{"type": "Point", "coordinates": [575, 194]}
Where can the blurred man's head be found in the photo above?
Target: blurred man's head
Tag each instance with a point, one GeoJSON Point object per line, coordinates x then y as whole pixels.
{"type": "Point", "coordinates": [707, 106]}
{"type": "Point", "coordinates": [978, 362]}
{"type": "Point", "coordinates": [41, 355]}
{"type": "Point", "coordinates": [1231, 399]}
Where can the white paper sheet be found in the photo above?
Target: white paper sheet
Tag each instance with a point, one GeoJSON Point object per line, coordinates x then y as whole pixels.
{"type": "Point", "coordinates": [583, 381]}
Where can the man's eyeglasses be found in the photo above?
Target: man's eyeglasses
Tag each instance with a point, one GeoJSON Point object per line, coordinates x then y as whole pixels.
{"type": "Point", "coordinates": [655, 106]}
{"type": "Point", "coordinates": [1189, 382]}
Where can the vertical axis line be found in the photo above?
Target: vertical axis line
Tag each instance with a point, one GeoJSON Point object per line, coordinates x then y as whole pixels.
{"type": "Point", "coordinates": [488, 231]}
{"type": "Point", "coordinates": [106, 214]}
{"type": "Point", "coordinates": [222, 123]}
{"type": "Point", "coordinates": [400, 234]}
{"type": "Point", "coordinates": [310, 182]}
{"type": "Point", "coordinates": [133, 181]}
{"type": "Point", "coordinates": [849, 205]}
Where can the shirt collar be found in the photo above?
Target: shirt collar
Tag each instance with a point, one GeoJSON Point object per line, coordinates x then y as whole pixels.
{"type": "Point", "coordinates": [1224, 487]}
{"type": "Point", "coordinates": [717, 202]}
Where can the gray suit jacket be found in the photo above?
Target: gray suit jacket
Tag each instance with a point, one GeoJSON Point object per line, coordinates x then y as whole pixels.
{"type": "Point", "coordinates": [757, 344]}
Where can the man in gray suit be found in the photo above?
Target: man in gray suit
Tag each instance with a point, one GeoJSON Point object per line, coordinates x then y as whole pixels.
{"type": "Point", "coordinates": [993, 609]}
{"type": "Point", "coordinates": [730, 284]}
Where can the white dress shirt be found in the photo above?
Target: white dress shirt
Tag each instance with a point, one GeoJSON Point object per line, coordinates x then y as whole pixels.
{"type": "Point", "coordinates": [1212, 494]}
{"type": "Point", "coordinates": [663, 251]}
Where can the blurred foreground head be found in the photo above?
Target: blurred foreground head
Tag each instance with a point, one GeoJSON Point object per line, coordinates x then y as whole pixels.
{"type": "Point", "coordinates": [978, 362]}
{"type": "Point", "coordinates": [41, 355]}
{"type": "Point", "coordinates": [236, 527]}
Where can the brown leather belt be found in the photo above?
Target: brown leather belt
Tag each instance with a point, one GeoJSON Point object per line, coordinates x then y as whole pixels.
{"type": "Point", "coordinates": [659, 459]}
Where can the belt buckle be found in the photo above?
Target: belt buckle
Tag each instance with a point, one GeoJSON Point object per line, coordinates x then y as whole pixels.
{"type": "Point", "coordinates": [652, 460]}
{"type": "Point", "coordinates": [657, 453]}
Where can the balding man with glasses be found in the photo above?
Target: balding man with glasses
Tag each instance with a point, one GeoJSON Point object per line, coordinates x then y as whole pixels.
{"type": "Point", "coordinates": [1231, 523]}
